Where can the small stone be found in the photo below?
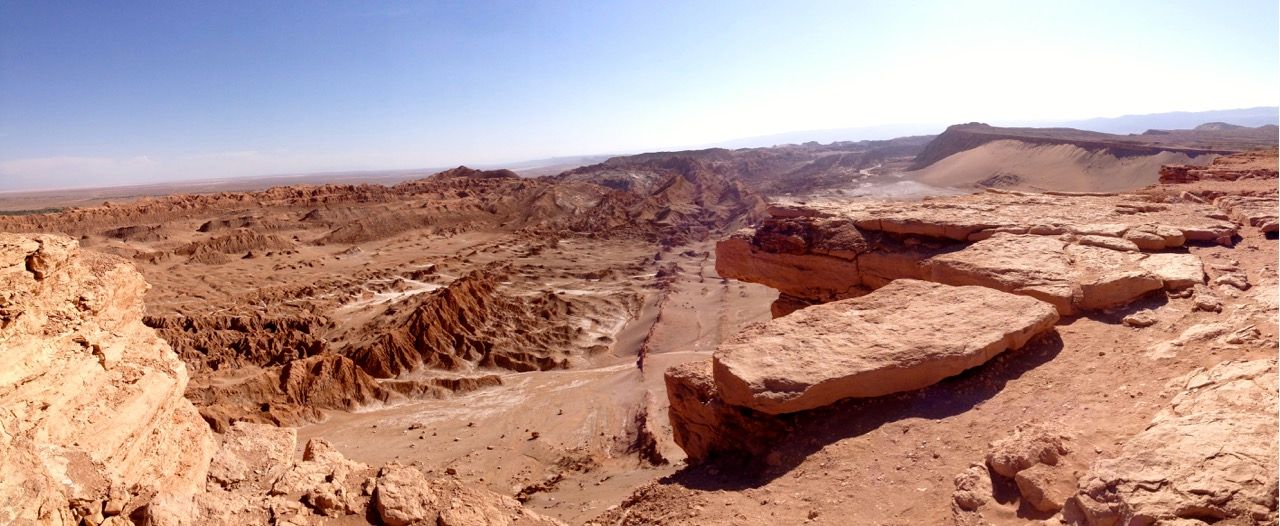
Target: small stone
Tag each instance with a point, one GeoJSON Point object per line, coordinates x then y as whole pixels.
{"type": "Point", "coordinates": [1142, 318]}
{"type": "Point", "coordinates": [1237, 280]}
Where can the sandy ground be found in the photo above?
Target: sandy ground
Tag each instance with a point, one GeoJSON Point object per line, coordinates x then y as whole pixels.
{"type": "Point", "coordinates": [1064, 167]}
{"type": "Point", "coordinates": [566, 429]}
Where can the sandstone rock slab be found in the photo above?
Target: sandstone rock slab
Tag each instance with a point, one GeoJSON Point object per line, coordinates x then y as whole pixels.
{"type": "Point", "coordinates": [1210, 456]}
{"type": "Point", "coordinates": [978, 216]}
{"type": "Point", "coordinates": [704, 426]}
{"type": "Point", "coordinates": [907, 335]}
{"type": "Point", "coordinates": [1177, 271]}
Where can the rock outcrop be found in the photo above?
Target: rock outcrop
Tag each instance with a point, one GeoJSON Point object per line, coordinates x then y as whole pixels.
{"type": "Point", "coordinates": [1090, 253]}
{"type": "Point", "coordinates": [1241, 166]}
{"type": "Point", "coordinates": [94, 423]}
{"type": "Point", "coordinates": [1243, 186]}
{"type": "Point", "coordinates": [255, 479]}
{"type": "Point", "coordinates": [1209, 456]}
{"type": "Point", "coordinates": [704, 426]}
{"type": "Point", "coordinates": [904, 336]}
{"type": "Point", "coordinates": [95, 428]}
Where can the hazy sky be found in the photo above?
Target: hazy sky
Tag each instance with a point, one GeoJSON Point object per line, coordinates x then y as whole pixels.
{"type": "Point", "coordinates": [97, 93]}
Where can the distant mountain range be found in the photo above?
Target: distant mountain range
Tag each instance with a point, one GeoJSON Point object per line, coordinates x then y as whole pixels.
{"type": "Point", "coordinates": [1176, 120]}
{"type": "Point", "coordinates": [1125, 124]}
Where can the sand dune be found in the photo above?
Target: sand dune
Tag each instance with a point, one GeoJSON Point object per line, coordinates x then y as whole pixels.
{"type": "Point", "coordinates": [1064, 167]}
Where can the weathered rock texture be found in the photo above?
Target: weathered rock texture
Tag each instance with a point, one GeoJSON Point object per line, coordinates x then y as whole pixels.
{"type": "Point", "coordinates": [255, 479]}
{"type": "Point", "coordinates": [1243, 186]}
{"type": "Point", "coordinates": [1249, 165]}
{"type": "Point", "coordinates": [705, 426]}
{"type": "Point", "coordinates": [95, 428]}
{"type": "Point", "coordinates": [1084, 253]}
{"type": "Point", "coordinates": [1210, 456]}
{"type": "Point", "coordinates": [904, 336]}
{"type": "Point", "coordinates": [94, 422]}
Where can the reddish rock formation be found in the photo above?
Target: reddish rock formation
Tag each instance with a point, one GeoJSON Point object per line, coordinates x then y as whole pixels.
{"type": "Point", "coordinates": [222, 341]}
{"type": "Point", "coordinates": [1082, 254]}
{"type": "Point", "coordinates": [1243, 186]}
{"type": "Point", "coordinates": [471, 322]}
{"type": "Point", "coordinates": [1241, 166]}
{"type": "Point", "coordinates": [907, 335]}
{"type": "Point", "coordinates": [704, 426]}
{"type": "Point", "coordinates": [255, 479]}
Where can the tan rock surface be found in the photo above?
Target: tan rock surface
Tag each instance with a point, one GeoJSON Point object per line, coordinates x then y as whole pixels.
{"type": "Point", "coordinates": [405, 497]}
{"type": "Point", "coordinates": [904, 336]}
{"type": "Point", "coordinates": [1027, 446]}
{"type": "Point", "coordinates": [976, 216]}
{"type": "Point", "coordinates": [704, 426]}
{"type": "Point", "coordinates": [1210, 455]}
{"type": "Point", "coordinates": [1031, 244]}
{"type": "Point", "coordinates": [94, 415]}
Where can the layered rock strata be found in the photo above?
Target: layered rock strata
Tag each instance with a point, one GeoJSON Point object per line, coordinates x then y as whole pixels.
{"type": "Point", "coordinates": [1081, 254]}
{"type": "Point", "coordinates": [94, 423]}
{"type": "Point", "coordinates": [907, 335]}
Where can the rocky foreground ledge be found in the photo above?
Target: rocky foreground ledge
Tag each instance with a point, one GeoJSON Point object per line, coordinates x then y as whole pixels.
{"type": "Point", "coordinates": [881, 298]}
{"type": "Point", "coordinates": [94, 428]}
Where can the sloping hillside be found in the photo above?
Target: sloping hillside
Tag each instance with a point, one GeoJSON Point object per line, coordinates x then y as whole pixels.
{"type": "Point", "coordinates": [1064, 159]}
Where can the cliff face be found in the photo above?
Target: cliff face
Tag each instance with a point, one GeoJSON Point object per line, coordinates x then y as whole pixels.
{"type": "Point", "coordinates": [95, 429]}
{"type": "Point", "coordinates": [94, 421]}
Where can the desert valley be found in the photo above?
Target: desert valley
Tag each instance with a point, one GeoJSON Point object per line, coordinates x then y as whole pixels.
{"type": "Point", "coordinates": [987, 326]}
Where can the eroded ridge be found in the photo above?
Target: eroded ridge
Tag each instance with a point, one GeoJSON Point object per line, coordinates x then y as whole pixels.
{"type": "Point", "coordinates": [95, 428]}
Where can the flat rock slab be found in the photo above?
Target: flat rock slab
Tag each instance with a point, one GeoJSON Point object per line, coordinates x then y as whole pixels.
{"type": "Point", "coordinates": [1072, 277]}
{"type": "Point", "coordinates": [978, 216]}
{"type": "Point", "coordinates": [906, 335]}
{"type": "Point", "coordinates": [1208, 456]}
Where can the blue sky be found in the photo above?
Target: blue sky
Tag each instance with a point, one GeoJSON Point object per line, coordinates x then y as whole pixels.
{"type": "Point", "coordinates": [101, 93]}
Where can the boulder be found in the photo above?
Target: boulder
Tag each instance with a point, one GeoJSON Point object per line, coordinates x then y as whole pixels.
{"type": "Point", "coordinates": [907, 335]}
{"type": "Point", "coordinates": [1176, 271]}
{"type": "Point", "coordinates": [252, 455]}
{"type": "Point", "coordinates": [1027, 446]}
{"type": "Point", "coordinates": [1045, 487]}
